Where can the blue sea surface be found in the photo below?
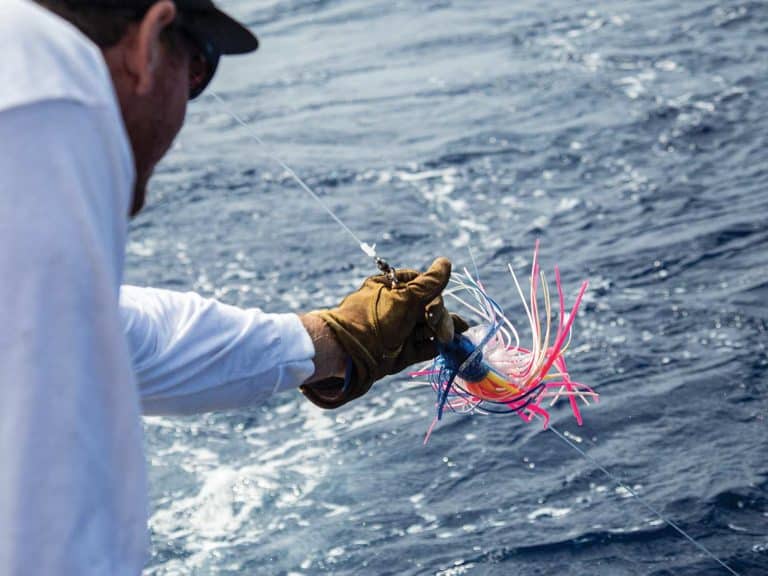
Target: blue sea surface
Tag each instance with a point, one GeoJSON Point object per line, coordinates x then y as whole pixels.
{"type": "Point", "coordinates": [629, 136]}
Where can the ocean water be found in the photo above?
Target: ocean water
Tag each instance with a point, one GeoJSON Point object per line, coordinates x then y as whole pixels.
{"type": "Point", "coordinates": [628, 136]}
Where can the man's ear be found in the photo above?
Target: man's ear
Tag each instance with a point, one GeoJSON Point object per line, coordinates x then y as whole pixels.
{"type": "Point", "coordinates": [143, 56]}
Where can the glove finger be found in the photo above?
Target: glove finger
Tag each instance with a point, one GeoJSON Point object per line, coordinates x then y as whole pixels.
{"type": "Point", "coordinates": [419, 347]}
{"type": "Point", "coordinates": [459, 324]}
{"type": "Point", "coordinates": [439, 320]}
{"type": "Point", "coordinates": [431, 283]}
{"type": "Point", "coordinates": [404, 276]}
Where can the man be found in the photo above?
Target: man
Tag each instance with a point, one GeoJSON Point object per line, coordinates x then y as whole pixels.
{"type": "Point", "coordinates": [92, 94]}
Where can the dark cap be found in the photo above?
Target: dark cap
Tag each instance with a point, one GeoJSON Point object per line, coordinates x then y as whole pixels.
{"type": "Point", "coordinates": [226, 34]}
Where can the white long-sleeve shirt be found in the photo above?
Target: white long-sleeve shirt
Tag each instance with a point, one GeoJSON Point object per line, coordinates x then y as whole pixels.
{"type": "Point", "coordinates": [72, 386]}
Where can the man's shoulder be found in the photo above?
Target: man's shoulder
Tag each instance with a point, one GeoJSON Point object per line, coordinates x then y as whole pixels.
{"type": "Point", "coordinates": [46, 58]}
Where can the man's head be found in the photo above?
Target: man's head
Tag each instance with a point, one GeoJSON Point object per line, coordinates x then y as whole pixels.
{"type": "Point", "coordinates": [160, 54]}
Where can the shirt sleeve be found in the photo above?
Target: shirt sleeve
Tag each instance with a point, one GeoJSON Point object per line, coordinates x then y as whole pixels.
{"type": "Point", "coordinates": [191, 354]}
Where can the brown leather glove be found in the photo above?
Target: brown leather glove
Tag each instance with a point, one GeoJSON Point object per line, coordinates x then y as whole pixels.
{"type": "Point", "coordinates": [385, 328]}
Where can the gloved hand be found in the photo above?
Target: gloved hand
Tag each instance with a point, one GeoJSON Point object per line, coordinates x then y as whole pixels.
{"type": "Point", "coordinates": [385, 328]}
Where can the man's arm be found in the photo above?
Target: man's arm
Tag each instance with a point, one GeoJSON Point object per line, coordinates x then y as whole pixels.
{"type": "Point", "coordinates": [193, 354]}
{"type": "Point", "coordinates": [330, 359]}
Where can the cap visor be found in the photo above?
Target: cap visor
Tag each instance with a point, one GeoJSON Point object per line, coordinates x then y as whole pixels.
{"type": "Point", "coordinates": [226, 33]}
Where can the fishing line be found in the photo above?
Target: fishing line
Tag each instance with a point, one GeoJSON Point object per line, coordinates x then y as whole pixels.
{"type": "Point", "coordinates": [642, 501]}
{"type": "Point", "coordinates": [370, 251]}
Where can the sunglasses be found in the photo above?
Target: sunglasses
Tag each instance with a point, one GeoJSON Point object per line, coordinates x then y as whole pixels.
{"type": "Point", "coordinates": [204, 59]}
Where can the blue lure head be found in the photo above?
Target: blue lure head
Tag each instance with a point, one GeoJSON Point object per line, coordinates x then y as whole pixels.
{"type": "Point", "coordinates": [455, 355]}
{"type": "Point", "coordinates": [459, 357]}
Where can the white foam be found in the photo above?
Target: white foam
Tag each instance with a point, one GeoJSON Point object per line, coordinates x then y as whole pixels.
{"type": "Point", "coordinates": [548, 512]}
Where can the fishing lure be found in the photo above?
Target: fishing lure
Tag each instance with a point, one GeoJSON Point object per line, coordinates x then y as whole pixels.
{"type": "Point", "coordinates": [487, 370]}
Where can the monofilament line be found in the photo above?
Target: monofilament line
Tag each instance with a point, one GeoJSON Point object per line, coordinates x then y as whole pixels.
{"type": "Point", "coordinates": [293, 174]}
{"type": "Point", "coordinates": [642, 501]}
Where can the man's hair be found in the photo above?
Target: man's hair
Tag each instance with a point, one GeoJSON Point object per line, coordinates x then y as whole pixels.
{"type": "Point", "coordinates": [104, 26]}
